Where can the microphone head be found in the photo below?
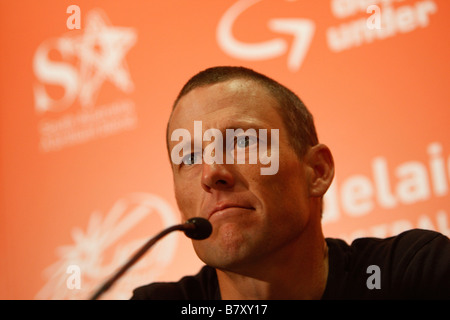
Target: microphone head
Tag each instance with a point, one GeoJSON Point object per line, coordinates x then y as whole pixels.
{"type": "Point", "coordinates": [198, 228]}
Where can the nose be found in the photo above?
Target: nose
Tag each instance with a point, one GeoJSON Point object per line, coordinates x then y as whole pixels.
{"type": "Point", "coordinates": [217, 176]}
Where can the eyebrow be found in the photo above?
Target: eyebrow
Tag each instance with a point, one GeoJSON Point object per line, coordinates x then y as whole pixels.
{"type": "Point", "coordinates": [245, 125]}
{"type": "Point", "coordinates": [232, 125]}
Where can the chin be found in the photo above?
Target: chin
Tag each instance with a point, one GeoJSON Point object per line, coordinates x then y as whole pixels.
{"type": "Point", "coordinates": [230, 257]}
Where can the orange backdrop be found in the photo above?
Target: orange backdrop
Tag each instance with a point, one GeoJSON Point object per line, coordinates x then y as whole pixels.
{"type": "Point", "coordinates": [86, 91]}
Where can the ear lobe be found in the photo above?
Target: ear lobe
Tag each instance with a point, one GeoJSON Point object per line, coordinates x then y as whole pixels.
{"type": "Point", "coordinates": [321, 164]}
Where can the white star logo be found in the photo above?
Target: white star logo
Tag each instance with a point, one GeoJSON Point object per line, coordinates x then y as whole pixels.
{"type": "Point", "coordinates": [101, 51]}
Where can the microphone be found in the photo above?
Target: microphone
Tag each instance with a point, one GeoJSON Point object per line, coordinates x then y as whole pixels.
{"type": "Point", "coordinates": [194, 228]}
{"type": "Point", "coordinates": [197, 228]}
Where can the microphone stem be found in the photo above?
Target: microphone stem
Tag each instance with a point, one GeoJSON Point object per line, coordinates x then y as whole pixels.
{"type": "Point", "coordinates": [137, 256]}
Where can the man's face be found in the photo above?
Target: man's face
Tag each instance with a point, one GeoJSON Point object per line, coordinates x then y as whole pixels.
{"type": "Point", "coordinates": [252, 214]}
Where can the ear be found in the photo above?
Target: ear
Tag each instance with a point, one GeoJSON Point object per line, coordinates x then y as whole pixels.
{"type": "Point", "coordinates": [321, 168]}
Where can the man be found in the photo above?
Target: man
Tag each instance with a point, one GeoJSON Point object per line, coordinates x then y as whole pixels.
{"type": "Point", "coordinates": [267, 240]}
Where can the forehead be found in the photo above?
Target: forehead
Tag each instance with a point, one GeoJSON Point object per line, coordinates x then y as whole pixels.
{"type": "Point", "coordinates": [222, 104]}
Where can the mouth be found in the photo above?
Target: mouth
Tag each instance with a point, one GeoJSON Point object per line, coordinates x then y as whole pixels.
{"type": "Point", "coordinates": [223, 208]}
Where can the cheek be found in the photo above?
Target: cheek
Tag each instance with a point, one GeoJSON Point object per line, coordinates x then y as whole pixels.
{"type": "Point", "coordinates": [185, 201]}
{"type": "Point", "coordinates": [286, 190]}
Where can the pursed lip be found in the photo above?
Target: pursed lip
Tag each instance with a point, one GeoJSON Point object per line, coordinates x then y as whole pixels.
{"type": "Point", "coordinates": [222, 206]}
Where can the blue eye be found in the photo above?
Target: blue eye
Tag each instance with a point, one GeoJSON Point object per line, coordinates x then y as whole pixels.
{"type": "Point", "coordinates": [191, 158]}
{"type": "Point", "coordinates": [245, 141]}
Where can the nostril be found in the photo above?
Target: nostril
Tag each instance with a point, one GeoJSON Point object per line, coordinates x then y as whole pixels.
{"type": "Point", "coordinates": [216, 176]}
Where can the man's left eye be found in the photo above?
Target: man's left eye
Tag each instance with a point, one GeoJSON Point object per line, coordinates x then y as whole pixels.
{"type": "Point", "coordinates": [245, 141]}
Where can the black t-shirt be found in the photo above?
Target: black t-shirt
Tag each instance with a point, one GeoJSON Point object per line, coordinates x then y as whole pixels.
{"type": "Point", "coordinates": [412, 265]}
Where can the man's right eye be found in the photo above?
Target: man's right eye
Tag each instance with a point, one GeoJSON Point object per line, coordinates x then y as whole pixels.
{"type": "Point", "coordinates": [191, 158]}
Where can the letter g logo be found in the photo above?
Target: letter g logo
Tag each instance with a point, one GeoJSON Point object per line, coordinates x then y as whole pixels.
{"type": "Point", "coordinates": [301, 29]}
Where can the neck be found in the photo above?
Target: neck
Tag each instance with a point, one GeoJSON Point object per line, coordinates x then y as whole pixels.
{"type": "Point", "coordinates": [297, 271]}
